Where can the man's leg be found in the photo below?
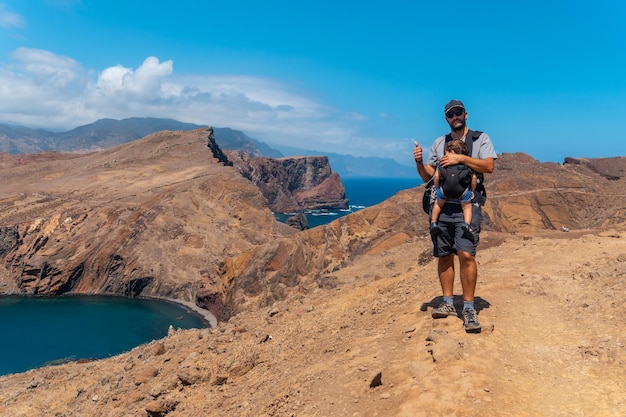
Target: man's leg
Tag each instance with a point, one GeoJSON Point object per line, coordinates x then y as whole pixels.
{"type": "Point", "coordinates": [469, 276]}
{"type": "Point", "coordinates": [445, 270]}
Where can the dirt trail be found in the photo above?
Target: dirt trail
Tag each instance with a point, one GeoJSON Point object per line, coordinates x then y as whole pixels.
{"type": "Point", "coordinates": [553, 342]}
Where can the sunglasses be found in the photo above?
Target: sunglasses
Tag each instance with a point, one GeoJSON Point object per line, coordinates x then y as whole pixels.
{"type": "Point", "coordinates": [453, 113]}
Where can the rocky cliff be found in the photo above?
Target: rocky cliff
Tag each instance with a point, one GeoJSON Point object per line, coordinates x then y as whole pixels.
{"type": "Point", "coordinates": [161, 217]}
{"type": "Point", "coordinates": [524, 195]}
{"type": "Point", "coordinates": [334, 320]}
{"type": "Point", "coordinates": [154, 217]}
{"type": "Point", "coordinates": [527, 195]}
{"type": "Point", "coordinates": [293, 184]}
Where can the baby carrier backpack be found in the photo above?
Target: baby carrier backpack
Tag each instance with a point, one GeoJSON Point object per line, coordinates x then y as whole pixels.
{"type": "Point", "coordinates": [454, 180]}
{"type": "Point", "coordinates": [480, 195]}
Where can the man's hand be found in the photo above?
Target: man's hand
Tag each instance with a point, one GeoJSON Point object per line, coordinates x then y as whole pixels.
{"type": "Point", "coordinates": [426, 171]}
{"type": "Point", "coordinates": [417, 152]}
{"type": "Point", "coordinates": [452, 158]}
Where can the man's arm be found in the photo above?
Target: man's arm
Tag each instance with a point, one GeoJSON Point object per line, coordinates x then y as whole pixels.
{"type": "Point", "coordinates": [425, 171]}
{"type": "Point", "coordinates": [484, 166]}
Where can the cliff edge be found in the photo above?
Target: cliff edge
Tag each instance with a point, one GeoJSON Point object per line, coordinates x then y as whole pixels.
{"type": "Point", "coordinates": [154, 217]}
{"type": "Point", "coordinates": [293, 184]}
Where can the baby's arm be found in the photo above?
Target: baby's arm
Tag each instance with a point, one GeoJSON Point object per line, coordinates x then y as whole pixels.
{"type": "Point", "coordinates": [436, 178]}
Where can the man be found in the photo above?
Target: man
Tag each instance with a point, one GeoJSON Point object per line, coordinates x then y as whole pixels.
{"type": "Point", "coordinates": [451, 240]}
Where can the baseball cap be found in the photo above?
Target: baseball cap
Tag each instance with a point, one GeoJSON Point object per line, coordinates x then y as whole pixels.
{"type": "Point", "coordinates": [452, 104]}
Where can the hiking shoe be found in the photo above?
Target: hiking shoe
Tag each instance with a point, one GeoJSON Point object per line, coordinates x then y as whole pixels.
{"type": "Point", "coordinates": [468, 233]}
{"type": "Point", "coordinates": [470, 321]}
{"type": "Point", "coordinates": [434, 229]}
{"type": "Point", "coordinates": [444, 310]}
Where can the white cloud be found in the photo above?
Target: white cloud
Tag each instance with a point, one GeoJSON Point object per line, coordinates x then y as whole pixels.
{"type": "Point", "coordinates": [45, 67]}
{"type": "Point", "coordinates": [42, 89]}
{"type": "Point", "coordinates": [9, 19]}
{"type": "Point", "coordinates": [143, 84]}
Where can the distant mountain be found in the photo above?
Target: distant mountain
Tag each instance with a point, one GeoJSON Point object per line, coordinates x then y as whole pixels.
{"type": "Point", "coordinates": [352, 166]}
{"type": "Point", "coordinates": [21, 140]}
{"type": "Point", "coordinates": [106, 133]}
{"type": "Point", "coordinates": [235, 140]}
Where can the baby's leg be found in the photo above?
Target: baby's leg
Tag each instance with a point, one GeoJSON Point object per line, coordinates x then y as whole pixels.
{"type": "Point", "coordinates": [434, 216]}
{"type": "Point", "coordinates": [467, 221]}
{"type": "Point", "coordinates": [437, 207]}
{"type": "Point", "coordinates": [467, 212]}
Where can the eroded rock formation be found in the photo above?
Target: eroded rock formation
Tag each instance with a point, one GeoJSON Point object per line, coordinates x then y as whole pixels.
{"type": "Point", "coordinates": [154, 217]}
{"type": "Point", "coordinates": [295, 183]}
{"type": "Point", "coordinates": [527, 195]}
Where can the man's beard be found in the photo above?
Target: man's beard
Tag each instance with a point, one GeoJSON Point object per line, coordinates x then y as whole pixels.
{"type": "Point", "coordinates": [458, 127]}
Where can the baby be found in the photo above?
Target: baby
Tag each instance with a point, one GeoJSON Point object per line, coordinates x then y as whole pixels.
{"type": "Point", "coordinates": [454, 183]}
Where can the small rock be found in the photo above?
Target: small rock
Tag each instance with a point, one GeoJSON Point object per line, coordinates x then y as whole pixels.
{"type": "Point", "coordinates": [409, 329]}
{"type": "Point", "coordinates": [436, 334]}
{"type": "Point", "coordinates": [134, 397]}
{"type": "Point", "coordinates": [189, 377]}
{"type": "Point", "coordinates": [145, 376]}
{"type": "Point", "coordinates": [158, 349]}
{"type": "Point", "coordinates": [159, 408]}
{"type": "Point", "coordinates": [377, 381]}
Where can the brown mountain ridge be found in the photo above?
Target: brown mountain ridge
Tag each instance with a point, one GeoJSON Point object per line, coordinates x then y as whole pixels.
{"type": "Point", "coordinates": [334, 320]}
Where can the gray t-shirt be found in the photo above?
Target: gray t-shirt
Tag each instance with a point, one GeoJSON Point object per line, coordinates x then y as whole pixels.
{"type": "Point", "coordinates": [481, 148]}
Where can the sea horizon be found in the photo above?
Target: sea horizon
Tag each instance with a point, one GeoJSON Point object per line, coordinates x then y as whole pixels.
{"type": "Point", "coordinates": [361, 192]}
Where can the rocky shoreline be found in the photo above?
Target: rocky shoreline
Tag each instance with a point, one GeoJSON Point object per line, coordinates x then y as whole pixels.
{"type": "Point", "coordinates": [204, 315]}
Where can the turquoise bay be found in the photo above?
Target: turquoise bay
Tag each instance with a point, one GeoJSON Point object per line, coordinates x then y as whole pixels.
{"type": "Point", "coordinates": [39, 331]}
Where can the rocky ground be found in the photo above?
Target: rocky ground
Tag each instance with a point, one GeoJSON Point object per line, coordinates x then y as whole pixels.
{"type": "Point", "coordinates": [331, 321]}
{"type": "Point", "coordinates": [551, 305]}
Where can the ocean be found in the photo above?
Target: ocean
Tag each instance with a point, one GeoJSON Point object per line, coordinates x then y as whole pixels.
{"type": "Point", "coordinates": [38, 331]}
{"type": "Point", "coordinates": [361, 192]}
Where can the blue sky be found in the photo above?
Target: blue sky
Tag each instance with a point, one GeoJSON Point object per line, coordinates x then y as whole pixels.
{"type": "Point", "coordinates": [356, 77]}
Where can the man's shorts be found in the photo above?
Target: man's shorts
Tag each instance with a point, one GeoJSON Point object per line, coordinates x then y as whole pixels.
{"type": "Point", "coordinates": [450, 238]}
